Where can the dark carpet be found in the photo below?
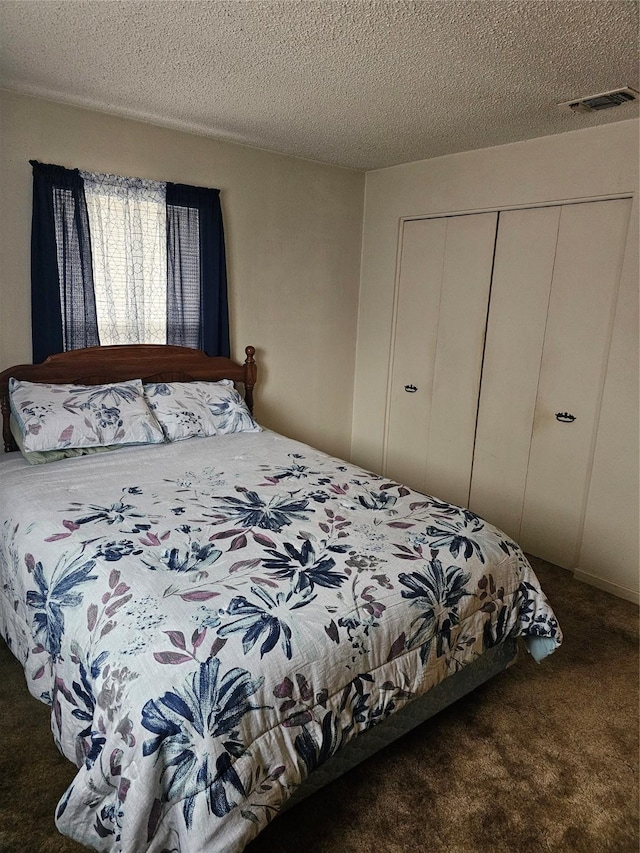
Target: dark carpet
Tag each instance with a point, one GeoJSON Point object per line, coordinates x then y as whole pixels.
{"type": "Point", "coordinates": [542, 758]}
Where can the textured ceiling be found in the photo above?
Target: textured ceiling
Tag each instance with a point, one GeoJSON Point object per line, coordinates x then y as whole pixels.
{"type": "Point", "coordinates": [359, 84]}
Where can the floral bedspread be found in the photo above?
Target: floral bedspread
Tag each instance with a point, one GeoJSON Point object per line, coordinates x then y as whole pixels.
{"type": "Point", "coordinates": [211, 620]}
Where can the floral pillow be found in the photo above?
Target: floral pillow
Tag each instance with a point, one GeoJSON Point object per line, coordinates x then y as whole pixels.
{"type": "Point", "coordinates": [189, 409]}
{"type": "Point", "coordinates": [51, 417]}
{"type": "Point", "coordinates": [41, 457]}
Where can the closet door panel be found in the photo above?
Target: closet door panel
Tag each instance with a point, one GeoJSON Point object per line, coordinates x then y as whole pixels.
{"type": "Point", "coordinates": [522, 273]}
{"type": "Point", "coordinates": [587, 268]}
{"type": "Point", "coordinates": [443, 289]}
{"type": "Point", "coordinates": [466, 282]}
{"type": "Point", "coordinates": [419, 286]}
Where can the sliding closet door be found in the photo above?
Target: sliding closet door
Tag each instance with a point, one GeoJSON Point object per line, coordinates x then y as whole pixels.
{"type": "Point", "coordinates": [587, 269]}
{"type": "Point", "coordinates": [552, 302]}
{"type": "Point", "coordinates": [443, 292]}
{"type": "Point", "coordinates": [523, 269]}
{"type": "Point", "coordinates": [416, 331]}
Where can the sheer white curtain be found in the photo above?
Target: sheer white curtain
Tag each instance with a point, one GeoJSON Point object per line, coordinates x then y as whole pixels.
{"type": "Point", "coordinates": [128, 227]}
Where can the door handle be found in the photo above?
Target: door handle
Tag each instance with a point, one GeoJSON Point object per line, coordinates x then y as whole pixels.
{"type": "Point", "coordinates": [410, 389]}
{"type": "Point", "coordinates": [565, 417]}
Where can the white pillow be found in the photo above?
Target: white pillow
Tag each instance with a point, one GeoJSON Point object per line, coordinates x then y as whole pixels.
{"type": "Point", "coordinates": [40, 457]}
{"type": "Point", "coordinates": [189, 409]}
{"type": "Point", "coordinates": [51, 417]}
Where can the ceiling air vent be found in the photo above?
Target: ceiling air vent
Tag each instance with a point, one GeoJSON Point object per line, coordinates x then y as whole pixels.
{"type": "Point", "coordinates": [603, 101]}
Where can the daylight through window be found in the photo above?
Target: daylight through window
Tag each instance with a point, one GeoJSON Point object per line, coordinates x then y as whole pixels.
{"type": "Point", "coordinates": [128, 231]}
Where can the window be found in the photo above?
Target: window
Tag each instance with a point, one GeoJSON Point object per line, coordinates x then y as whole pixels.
{"type": "Point", "coordinates": [124, 260]}
{"type": "Point", "coordinates": [128, 232]}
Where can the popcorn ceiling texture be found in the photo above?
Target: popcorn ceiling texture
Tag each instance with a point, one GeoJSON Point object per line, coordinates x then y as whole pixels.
{"type": "Point", "coordinates": [358, 84]}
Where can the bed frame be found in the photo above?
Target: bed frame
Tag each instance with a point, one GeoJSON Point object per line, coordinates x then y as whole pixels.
{"type": "Point", "coordinates": [149, 362]}
{"type": "Point", "coordinates": [158, 363]}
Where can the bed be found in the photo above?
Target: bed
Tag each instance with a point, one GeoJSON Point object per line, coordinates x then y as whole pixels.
{"type": "Point", "coordinates": [225, 621]}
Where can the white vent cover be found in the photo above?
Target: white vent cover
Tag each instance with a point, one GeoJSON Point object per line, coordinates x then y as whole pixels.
{"type": "Point", "coordinates": [603, 101]}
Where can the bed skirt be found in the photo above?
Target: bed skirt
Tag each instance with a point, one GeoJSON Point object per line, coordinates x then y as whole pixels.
{"type": "Point", "coordinates": [421, 709]}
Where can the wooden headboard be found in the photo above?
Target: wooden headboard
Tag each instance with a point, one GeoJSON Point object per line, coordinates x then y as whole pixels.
{"type": "Point", "coordinates": [149, 362]}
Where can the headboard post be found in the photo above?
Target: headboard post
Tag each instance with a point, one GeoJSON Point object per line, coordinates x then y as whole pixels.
{"type": "Point", "coordinates": [9, 442]}
{"type": "Point", "coordinates": [250, 373]}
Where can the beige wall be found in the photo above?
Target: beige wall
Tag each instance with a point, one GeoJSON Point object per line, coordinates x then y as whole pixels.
{"type": "Point", "coordinates": [293, 230]}
{"type": "Point", "coordinates": [580, 165]}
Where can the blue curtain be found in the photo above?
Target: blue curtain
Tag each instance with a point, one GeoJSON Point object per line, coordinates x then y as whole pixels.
{"type": "Point", "coordinates": [63, 308]}
{"type": "Point", "coordinates": [197, 307]}
{"type": "Point", "coordinates": [62, 289]}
